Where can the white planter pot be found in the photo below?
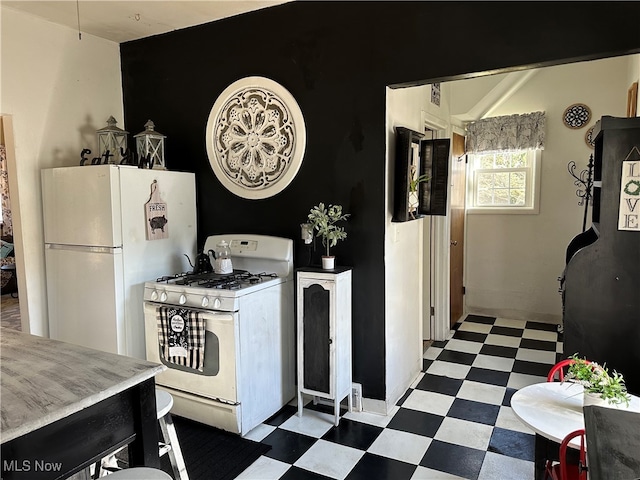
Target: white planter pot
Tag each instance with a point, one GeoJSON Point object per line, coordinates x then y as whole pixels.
{"type": "Point", "coordinates": [413, 201]}
{"type": "Point", "coordinates": [328, 263]}
{"type": "Point", "coordinates": [596, 400]}
{"type": "Point", "coordinates": [593, 399]}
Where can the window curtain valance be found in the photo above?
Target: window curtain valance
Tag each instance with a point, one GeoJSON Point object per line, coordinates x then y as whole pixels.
{"type": "Point", "coordinates": [508, 133]}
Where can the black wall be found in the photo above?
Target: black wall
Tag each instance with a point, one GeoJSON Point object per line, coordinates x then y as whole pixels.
{"type": "Point", "coordinates": [336, 58]}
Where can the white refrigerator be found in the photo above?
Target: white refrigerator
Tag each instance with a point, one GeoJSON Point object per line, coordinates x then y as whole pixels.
{"type": "Point", "coordinates": [98, 252]}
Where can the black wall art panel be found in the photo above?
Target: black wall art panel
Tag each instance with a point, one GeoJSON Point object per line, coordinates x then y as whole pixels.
{"type": "Point", "coordinates": [336, 59]}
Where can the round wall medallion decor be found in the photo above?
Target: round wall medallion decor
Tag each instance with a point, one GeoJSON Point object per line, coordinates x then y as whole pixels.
{"type": "Point", "coordinates": [256, 138]}
{"type": "Point", "coordinates": [588, 137]}
{"type": "Point", "coordinates": [576, 115]}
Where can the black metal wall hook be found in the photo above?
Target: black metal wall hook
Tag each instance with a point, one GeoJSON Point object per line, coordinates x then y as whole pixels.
{"type": "Point", "coordinates": [584, 182]}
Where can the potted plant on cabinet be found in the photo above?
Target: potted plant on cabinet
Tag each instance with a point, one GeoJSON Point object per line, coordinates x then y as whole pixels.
{"type": "Point", "coordinates": [323, 221]}
{"type": "Point", "coordinates": [600, 387]}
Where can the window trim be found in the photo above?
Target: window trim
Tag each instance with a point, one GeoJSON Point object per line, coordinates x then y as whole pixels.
{"type": "Point", "coordinates": [532, 209]}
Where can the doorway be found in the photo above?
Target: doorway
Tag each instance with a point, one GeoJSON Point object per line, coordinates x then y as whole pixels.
{"type": "Point", "coordinates": [11, 215]}
{"type": "Point", "coordinates": [434, 127]}
{"type": "Point", "coordinates": [8, 281]}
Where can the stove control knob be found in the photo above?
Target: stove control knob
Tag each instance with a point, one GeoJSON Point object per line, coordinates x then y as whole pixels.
{"type": "Point", "coordinates": [163, 297]}
{"type": "Point", "coordinates": [217, 302]}
{"type": "Point", "coordinates": [154, 295]}
{"type": "Point", "coordinates": [183, 299]}
{"type": "Point", "coordinates": [205, 301]}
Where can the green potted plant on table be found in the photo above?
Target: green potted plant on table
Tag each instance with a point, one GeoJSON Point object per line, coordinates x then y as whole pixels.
{"type": "Point", "coordinates": [323, 221]}
{"type": "Point", "coordinates": [600, 386]}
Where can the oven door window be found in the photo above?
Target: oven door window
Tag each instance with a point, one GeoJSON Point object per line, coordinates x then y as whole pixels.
{"type": "Point", "coordinates": [211, 357]}
{"type": "Point", "coordinates": [218, 378]}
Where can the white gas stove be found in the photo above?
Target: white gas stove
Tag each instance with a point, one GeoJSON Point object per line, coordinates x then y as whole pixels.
{"type": "Point", "coordinates": [209, 291]}
{"type": "Point", "coordinates": [259, 262]}
{"type": "Point", "coordinates": [249, 361]}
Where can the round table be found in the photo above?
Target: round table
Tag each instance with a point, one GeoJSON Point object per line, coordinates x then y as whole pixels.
{"type": "Point", "coordinates": [553, 410]}
{"type": "Point", "coordinates": [550, 409]}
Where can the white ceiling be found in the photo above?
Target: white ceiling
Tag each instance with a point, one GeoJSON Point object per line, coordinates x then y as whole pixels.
{"type": "Point", "coordinates": [121, 21]}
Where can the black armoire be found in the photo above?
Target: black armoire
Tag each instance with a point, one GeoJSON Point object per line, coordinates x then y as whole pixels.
{"type": "Point", "coordinates": [601, 295]}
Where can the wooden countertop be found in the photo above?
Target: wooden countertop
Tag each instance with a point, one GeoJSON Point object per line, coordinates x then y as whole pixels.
{"type": "Point", "coordinates": [44, 380]}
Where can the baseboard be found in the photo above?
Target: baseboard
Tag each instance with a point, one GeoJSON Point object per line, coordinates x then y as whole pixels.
{"type": "Point", "coordinates": [371, 405]}
{"type": "Point", "coordinates": [516, 314]}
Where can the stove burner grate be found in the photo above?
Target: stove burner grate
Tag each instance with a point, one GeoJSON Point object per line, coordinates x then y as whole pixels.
{"type": "Point", "coordinates": [232, 281]}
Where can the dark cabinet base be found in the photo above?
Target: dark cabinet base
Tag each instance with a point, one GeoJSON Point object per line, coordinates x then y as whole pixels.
{"type": "Point", "coordinates": [602, 279]}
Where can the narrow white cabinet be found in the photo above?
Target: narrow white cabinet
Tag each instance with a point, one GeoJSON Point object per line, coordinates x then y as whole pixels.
{"type": "Point", "coordinates": [324, 335]}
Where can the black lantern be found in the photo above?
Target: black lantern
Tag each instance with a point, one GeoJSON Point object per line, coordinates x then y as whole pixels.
{"type": "Point", "coordinates": [150, 146]}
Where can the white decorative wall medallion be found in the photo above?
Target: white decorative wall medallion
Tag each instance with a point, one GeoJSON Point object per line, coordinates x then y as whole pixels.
{"type": "Point", "coordinates": [255, 138]}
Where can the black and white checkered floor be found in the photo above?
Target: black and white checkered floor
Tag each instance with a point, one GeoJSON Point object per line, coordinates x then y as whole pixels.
{"type": "Point", "coordinates": [454, 422]}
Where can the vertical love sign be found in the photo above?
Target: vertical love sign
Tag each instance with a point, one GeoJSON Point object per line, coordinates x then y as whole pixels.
{"type": "Point", "coordinates": [156, 215]}
{"type": "Point", "coordinates": [629, 216]}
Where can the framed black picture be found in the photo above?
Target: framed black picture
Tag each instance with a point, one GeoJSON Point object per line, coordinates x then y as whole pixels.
{"type": "Point", "coordinates": [421, 175]}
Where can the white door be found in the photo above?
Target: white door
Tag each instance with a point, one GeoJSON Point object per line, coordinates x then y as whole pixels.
{"type": "Point", "coordinates": [85, 296]}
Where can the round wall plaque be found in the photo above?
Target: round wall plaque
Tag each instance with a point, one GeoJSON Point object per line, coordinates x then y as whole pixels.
{"type": "Point", "coordinates": [588, 137]}
{"type": "Point", "coordinates": [255, 138]}
{"type": "Point", "coordinates": [576, 115]}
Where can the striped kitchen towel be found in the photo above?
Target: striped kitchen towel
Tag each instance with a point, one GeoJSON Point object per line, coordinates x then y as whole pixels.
{"type": "Point", "coordinates": [181, 333]}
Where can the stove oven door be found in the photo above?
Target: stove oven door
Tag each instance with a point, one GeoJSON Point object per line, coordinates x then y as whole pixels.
{"type": "Point", "coordinates": [218, 380]}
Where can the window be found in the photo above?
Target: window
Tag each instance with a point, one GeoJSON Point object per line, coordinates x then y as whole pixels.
{"type": "Point", "coordinates": [505, 182]}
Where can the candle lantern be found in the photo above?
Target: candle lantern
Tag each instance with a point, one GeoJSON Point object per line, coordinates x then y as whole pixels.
{"type": "Point", "coordinates": [113, 139]}
{"type": "Point", "coordinates": [150, 145]}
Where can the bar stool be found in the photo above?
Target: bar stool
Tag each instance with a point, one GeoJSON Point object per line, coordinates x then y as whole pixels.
{"type": "Point", "coordinates": [168, 445]}
{"type": "Point", "coordinates": [139, 473]}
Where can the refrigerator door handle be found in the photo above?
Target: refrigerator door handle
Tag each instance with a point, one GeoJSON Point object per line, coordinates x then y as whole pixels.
{"type": "Point", "coordinates": [81, 248]}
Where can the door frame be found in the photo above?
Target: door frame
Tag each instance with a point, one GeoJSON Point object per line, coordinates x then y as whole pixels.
{"type": "Point", "coordinates": [6, 123]}
{"type": "Point", "coordinates": [437, 244]}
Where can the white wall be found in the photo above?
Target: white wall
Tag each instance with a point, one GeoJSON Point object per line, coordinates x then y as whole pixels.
{"type": "Point", "coordinates": [58, 90]}
{"type": "Point", "coordinates": [407, 246]}
{"type": "Point", "coordinates": [513, 261]}
{"type": "Point", "coordinates": [403, 261]}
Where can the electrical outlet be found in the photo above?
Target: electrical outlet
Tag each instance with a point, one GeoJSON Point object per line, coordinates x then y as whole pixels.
{"type": "Point", "coordinates": [356, 397]}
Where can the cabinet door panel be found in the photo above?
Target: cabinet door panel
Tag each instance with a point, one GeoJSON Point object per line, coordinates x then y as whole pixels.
{"type": "Point", "coordinates": [316, 338]}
